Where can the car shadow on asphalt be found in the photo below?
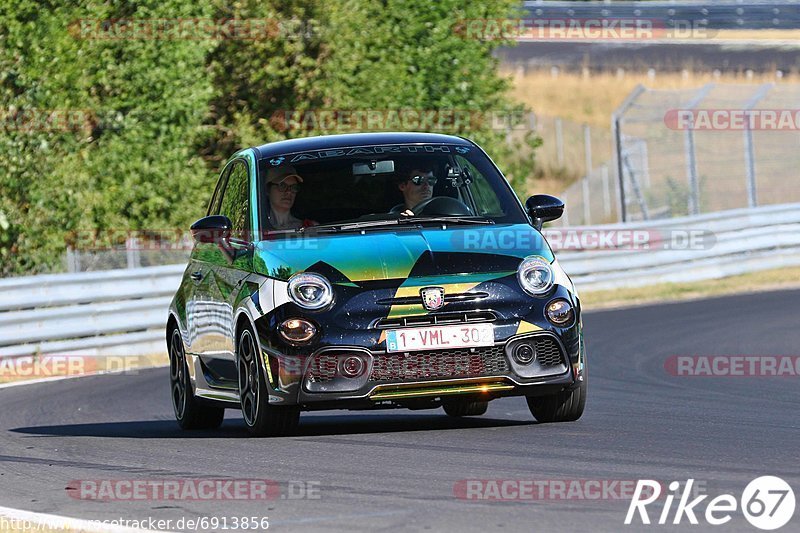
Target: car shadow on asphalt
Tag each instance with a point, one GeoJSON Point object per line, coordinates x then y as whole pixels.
{"type": "Point", "coordinates": [311, 425]}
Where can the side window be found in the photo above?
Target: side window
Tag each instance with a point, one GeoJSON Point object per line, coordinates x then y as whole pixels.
{"type": "Point", "coordinates": [213, 206]}
{"type": "Point", "coordinates": [485, 198]}
{"type": "Point", "coordinates": [236, 201]}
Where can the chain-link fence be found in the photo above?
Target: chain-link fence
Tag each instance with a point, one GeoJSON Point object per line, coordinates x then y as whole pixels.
{"type": "Point", "coordinates": [568, 148]}
{"type": "Point", "coordinates": [133, 254]}
{"type": "Point", "coordinates": [684, 152]}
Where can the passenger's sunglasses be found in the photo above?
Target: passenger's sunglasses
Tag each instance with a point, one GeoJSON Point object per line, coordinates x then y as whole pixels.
{"type": "Point", "coordinates": [282, 187]}
{"type": "Point", "coordinates": [419, 180]}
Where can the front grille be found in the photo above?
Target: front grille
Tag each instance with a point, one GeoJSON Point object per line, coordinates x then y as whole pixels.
{"type": "Point", "coordinates": [322, 368]}
{"type": "Point", "coordinates": [547, 352]}
{"type": "Point", "coordinates": [458, 363]}
{"type": "Point", "coordinates": [437, 319]}
{"type": "Point", "coordinates": [437, 364]}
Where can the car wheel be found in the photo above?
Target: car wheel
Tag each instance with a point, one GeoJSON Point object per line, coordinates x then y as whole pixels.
{"type": "Point", "coordinates": [261, 418]}
{"type": "Point", "coordinates": [565, 406]}
{"type": "Point", "coordinates": [189, 412]}
{"type": "Point", "coordinates": [465, 408]}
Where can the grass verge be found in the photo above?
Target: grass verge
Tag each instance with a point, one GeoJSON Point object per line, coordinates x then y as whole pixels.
{"type": "Point", "coordinates": [766, 280]}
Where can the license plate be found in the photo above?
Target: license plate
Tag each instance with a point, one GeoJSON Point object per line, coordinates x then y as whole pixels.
{"type": "Point", "coordinates": [439, 337]}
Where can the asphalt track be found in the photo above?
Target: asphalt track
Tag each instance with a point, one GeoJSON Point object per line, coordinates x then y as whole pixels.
{"type": "Point", "coordinates": [396, 470]}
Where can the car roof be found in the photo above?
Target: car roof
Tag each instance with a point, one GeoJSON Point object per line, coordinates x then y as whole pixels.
{"type": "Point", "coordinates": [327, 142]}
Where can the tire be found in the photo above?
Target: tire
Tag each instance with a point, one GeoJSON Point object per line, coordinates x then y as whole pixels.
{"type": "Point", "coordinates": [460, 408]}
{"type": "Point", "coordinates": [189, 412]}
{"type": "Point", "coordinates": [261, 418]}
{"type": "Point", "coordinates": [565, 406]}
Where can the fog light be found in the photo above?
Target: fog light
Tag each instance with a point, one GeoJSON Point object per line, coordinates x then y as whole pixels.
{"type": "Point", "coordinates": [297, 330]}
{"type": "Point", "coordinates": [560, 313]}
{"type": "Point", "coordinates": [351, 366]}
{"type": "Point", "coordinates": [524, 353]}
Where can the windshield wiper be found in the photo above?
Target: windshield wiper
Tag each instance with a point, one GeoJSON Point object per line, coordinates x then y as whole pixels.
{"type": "Point", "coordinates": [450, 220]}
{"type": "Point", "coordinates": [402, 221]}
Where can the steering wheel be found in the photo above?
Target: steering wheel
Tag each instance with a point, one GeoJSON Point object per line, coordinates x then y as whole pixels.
{"type": "Point", "coordinates": [442, 205]}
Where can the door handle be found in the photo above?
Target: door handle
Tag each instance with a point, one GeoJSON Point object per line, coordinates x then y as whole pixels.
{"type": "Point", "coordinates": [197, 275]}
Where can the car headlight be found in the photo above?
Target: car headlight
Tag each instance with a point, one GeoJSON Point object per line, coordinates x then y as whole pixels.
{"type": "Point", "coordinates": [535, 275]}
{"type": "Point", "coordinates": [560, 313]}
{"type": "Point", "coordinates": [310, 291]}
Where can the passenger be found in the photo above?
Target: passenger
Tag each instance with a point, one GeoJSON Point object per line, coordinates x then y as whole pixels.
{"type": "Point", "coordinates": [284, 184]}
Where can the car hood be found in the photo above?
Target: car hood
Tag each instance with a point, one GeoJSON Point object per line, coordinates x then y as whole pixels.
{"type": "Point", "coordinates": [351, 257]}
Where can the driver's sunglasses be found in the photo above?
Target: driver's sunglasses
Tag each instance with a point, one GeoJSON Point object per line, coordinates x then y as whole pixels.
{"type": "Point", "coordinates": [419, 180]}
{"type": "Point", "coordinates": [282, 187]}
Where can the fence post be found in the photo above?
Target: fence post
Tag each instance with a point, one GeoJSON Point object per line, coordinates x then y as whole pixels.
{"type": "Point", "coordinates": [132, 252]}
{"type": "Point", "coordinates": [587, 215]}
{"type": "Point", "coordinates": [72, 260]}
{"type": "Point", "coordinates": [691, 161]}
{"type": "Point", "coordinates": [606, 192]}
{"type": "Point", "coordinates": [691, 172]}
{"type": "Point", "coordinates": [749, 152]}
{"type": "Point", "coordinates": [559, 142]}
{"type": "Point", "coordinates": [587, 148]}
{"type": "Point", "coordinates": [616, 125]}
{"type": "Point", "coordinates": [637, 191]}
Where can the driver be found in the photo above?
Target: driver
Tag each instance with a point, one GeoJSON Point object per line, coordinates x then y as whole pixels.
{"type": "Point", "coordinates": [417, 186]}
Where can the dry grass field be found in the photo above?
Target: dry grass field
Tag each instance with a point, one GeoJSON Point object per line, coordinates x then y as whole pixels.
{"type": "Point", "coordinates": [592, 98]}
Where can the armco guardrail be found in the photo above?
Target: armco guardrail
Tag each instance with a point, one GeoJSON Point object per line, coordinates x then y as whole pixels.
{"type": "Point", "coordinates": [742, 240]}
{"type": "Point", "coordinates": [123, 312]}
{"type": "Point", "coordinates": [116, 312]}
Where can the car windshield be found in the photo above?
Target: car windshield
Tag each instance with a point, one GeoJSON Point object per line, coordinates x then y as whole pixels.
{"type": "Point", "coordinates": [376, 186]}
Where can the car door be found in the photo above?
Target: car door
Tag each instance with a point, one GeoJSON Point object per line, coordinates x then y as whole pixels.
{"type": "Point", "coordinates": [197, 292]}
{"type": "Point", "coordinates": [228, 266]}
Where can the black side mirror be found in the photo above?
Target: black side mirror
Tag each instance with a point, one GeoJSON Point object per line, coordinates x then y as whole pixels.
{"type": "Point", "coordinates": [212, 229]}
{"type": "Point", "coordinates": [544, 208]}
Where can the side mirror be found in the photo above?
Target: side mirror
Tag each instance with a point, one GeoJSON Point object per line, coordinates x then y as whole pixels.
{"type": "Point", "coordinates": [212, 229]}
{"type": "Point", "coordinates": [544, 208]}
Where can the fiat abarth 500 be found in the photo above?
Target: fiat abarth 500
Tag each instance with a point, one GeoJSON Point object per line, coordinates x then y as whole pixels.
{"type": "Point", "coordinates": [371, 271]}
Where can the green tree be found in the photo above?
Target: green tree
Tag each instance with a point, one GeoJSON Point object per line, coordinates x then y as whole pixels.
{"type": "Point", "coordinates": [139, 127]}
{"type": "Point", "coordinates": [126, 159]}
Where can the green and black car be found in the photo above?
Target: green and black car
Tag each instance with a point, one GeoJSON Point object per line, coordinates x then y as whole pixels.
{"type": "Point", "coordinates": [372, 271]}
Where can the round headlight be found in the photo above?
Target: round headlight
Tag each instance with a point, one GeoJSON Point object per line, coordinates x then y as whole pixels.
{"type": "Point", "coordinates": [297, 330]}
{"type": "Point", "coordinates": [560, 313]}
{"type": "Point", "coordinates": [535, 275]}
{"type": "Point", "coordinates": [310, 291]}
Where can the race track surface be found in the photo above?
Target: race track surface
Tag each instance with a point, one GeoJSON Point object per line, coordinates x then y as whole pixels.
{"type": "Point", "coordinates": [397, 470]}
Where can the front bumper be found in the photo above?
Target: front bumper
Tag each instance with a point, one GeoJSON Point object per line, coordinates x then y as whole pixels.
{"type": "Point", "coordinates": [400, 379]}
